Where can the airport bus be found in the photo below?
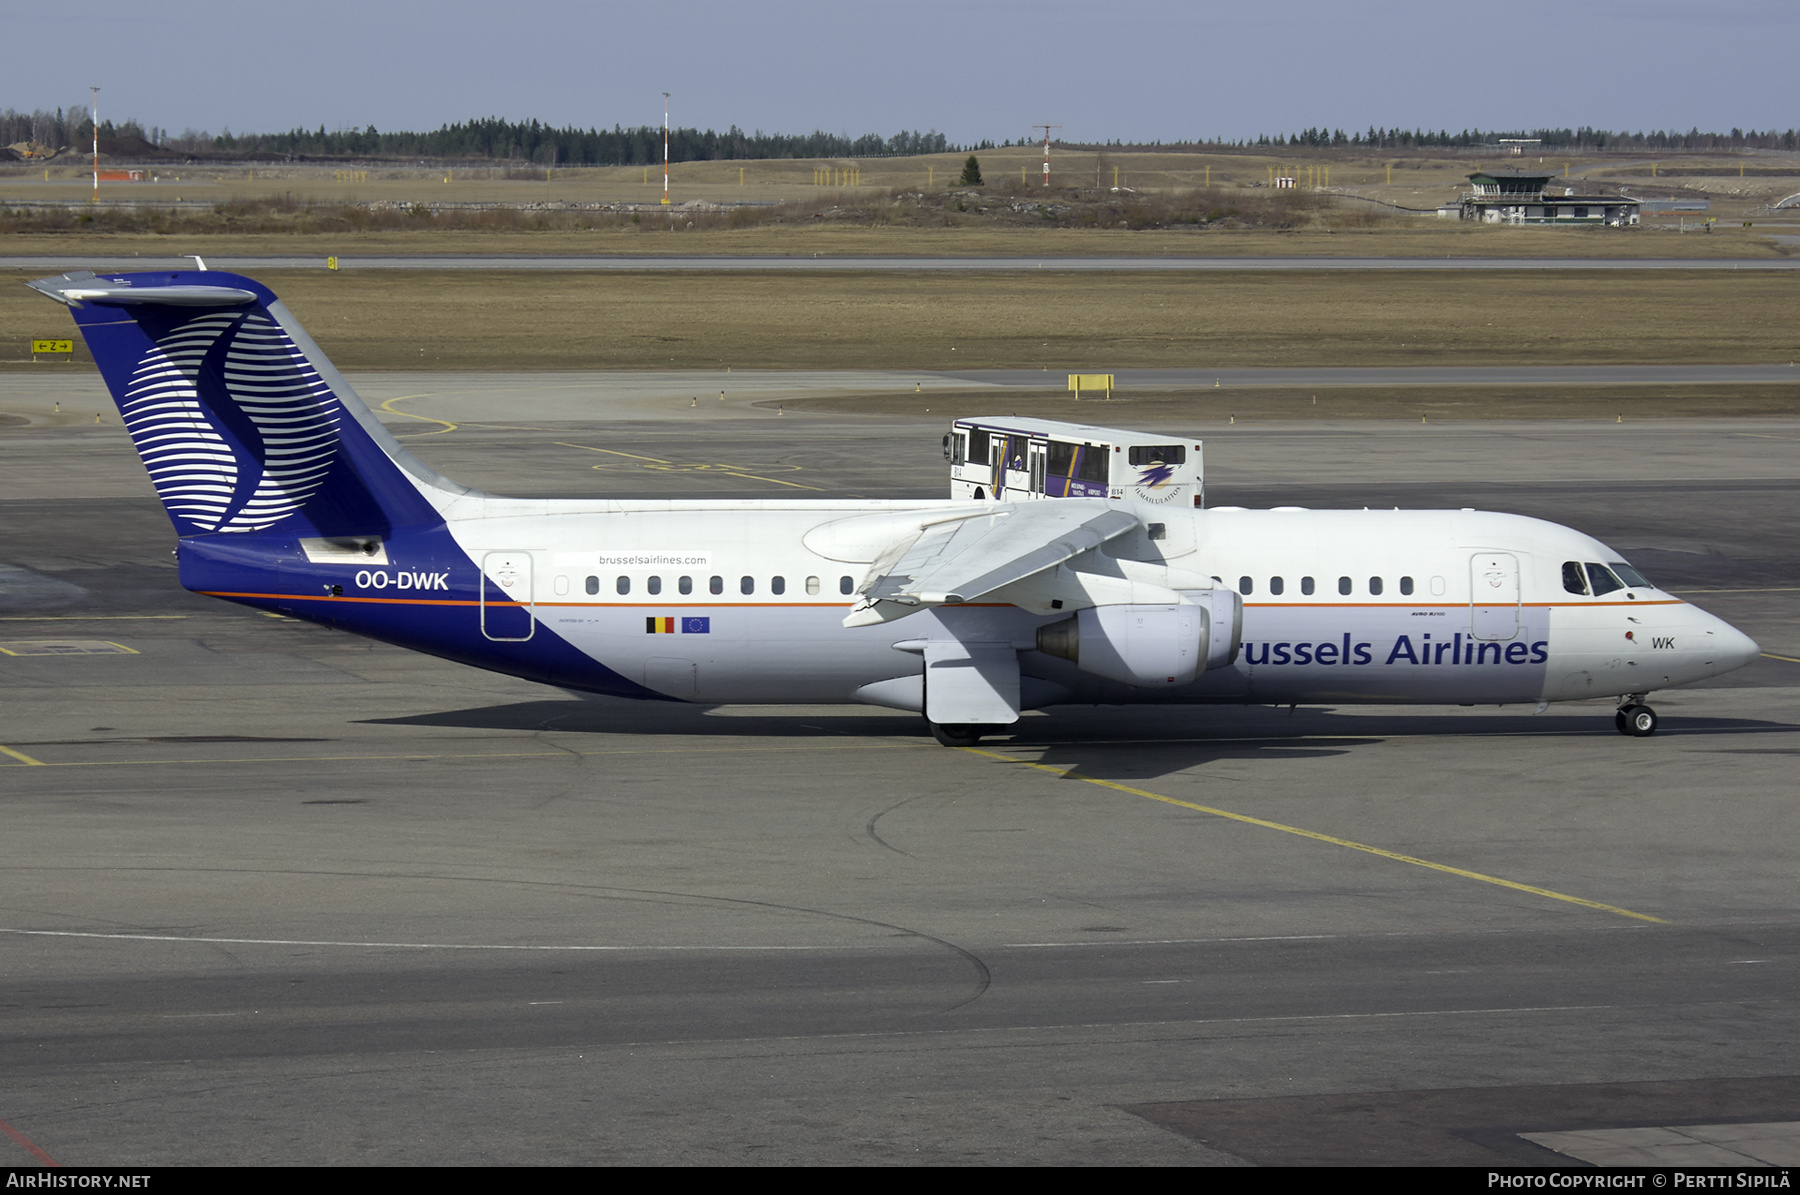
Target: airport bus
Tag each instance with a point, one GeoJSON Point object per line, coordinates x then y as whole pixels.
{"type": "Point", "coordinates": [1013, 460]}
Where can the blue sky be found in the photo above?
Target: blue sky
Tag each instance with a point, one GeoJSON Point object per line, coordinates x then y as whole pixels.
{"type": "Point", "coordinates": [1128, 69]}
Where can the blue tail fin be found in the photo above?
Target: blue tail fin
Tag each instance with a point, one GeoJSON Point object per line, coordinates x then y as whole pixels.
{"type": "Point", "coordinates": [240, 419]}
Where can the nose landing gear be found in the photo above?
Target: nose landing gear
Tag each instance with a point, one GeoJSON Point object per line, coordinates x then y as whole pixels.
{"type": "Point", "coordinates": [1634, 717]}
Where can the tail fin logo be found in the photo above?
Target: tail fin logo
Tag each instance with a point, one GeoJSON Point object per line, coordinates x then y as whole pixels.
{"type": "Point", "coordinates": [234, 424]}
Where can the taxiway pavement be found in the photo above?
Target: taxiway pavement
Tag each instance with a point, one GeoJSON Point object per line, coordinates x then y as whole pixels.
{"type": "Point", "coordinates": [272, 894]}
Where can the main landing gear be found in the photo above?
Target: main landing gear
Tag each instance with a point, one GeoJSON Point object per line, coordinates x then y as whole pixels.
{"type": "Point", "coordinates": [956, 734]}
{"type": "Point", "coordinates": [1634, 717]}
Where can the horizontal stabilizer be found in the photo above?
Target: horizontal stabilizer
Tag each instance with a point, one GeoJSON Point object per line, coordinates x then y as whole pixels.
{"type": "Point", "coordinates": [84, 287]}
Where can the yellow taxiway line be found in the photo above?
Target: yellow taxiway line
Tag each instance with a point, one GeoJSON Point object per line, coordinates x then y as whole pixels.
{"type": "Point", "coordinates": [1071, 773]}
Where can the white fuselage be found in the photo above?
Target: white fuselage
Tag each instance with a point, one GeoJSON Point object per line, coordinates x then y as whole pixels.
{"type": "Point", "coordinates": [1391, 606]}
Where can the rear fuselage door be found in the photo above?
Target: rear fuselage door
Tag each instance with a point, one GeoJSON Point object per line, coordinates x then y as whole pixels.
{"type": "Point", "coordinates": [1493, 596]}
{"type": "Point", "coordinates": [506, 614]}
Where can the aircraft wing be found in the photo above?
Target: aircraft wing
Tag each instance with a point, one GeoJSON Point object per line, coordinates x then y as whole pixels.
{"type": "Point", "coordinates": [961, 561]}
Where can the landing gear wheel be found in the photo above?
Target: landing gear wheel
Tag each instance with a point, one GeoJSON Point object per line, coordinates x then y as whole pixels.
{"type": "Point", "coordinates": [953, 734]}
{"type": "Point", "coordinates": [1638, 721]}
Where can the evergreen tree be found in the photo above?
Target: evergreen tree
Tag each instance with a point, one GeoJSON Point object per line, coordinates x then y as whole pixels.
{"type": "Point", "coordinates": [971, 175]}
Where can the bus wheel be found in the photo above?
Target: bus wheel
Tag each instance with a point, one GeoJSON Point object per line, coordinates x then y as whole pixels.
{"type": "Point", "coordinates": [953, 734]}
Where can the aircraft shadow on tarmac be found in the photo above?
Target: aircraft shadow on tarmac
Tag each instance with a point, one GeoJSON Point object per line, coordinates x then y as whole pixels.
{"type": "Point", "coordinates": [1113, 744]}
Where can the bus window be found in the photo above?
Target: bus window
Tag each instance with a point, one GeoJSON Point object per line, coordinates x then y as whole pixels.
{"type": "Point", "coordinates": [978, 447]}
{"type": "Point", "coordinates": [1062, 459]}
{"type": "Point", "coordinates": [957, 451]}
{"type": "Point", "coordinates": [1092, 466]}
{"type": "Point", "coordinates": [1015, 453]}
{"type": "Point", "coordinates": [1150, 454]}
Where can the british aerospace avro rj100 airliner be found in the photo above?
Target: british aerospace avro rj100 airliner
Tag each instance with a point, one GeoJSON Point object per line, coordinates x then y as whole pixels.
{"type": "Point", "coordinates": [288, 495]}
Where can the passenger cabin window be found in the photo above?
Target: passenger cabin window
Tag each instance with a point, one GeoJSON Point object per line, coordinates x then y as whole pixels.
{"type": "Point", "coordinates": [623, 585]}
{"type": "Point", "coordinates": [1574, 581]}
{"type": "Point", "coordinates": [746, 584]}
{"type": "Point", "coordinates": [1157, 454]}
{"type": "Point", "coordinates": [1276, 586]}
{"type": "Point", "coordinates": [1344, 585]}
{"type": "Point", "coordinates": [716, 585]}
{"type": "Point", "coordinates": [1406, 586]}
{"type": "Point", "coordinates": [777, 585]}
{"type": "Point", "coordinates": [846, 585]}
{"type": "Point", "coordinates": [593, 585]}
{"type": "Point", "coordinates": [654, 585]}
{"type": "Point", "coordinates": [1601, 580]}
{"type": "Point", "coordinates": [562, 584]}
{"type": "Point", "coordinates": [685, 585]}
{"type": "Point", "coordinates": [1306, 586]}
{"type": "Point", "coordinates": [1246, 586]}
{"type": "Point", "coordinates": [1375, 586]}
{"type": "Point", "coordinates": [812, 585]}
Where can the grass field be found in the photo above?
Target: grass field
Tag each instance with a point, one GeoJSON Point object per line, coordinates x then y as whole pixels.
{"type": "Point", "coordinates": [894, 206]}
{"type": "Point", "coordinates": [1389, 238]}
{"type": "Point", "coordinates": [1079, 322]}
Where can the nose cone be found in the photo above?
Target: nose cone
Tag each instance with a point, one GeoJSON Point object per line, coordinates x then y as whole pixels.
{"type": "Point", "coordinates": [1731, 648]}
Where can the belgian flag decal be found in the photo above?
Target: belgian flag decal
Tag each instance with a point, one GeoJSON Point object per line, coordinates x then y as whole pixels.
{"type": "Point", "coordinates": [659, 626]}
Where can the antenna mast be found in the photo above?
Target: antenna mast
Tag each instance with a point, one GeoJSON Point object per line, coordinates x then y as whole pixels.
{"type": "Point", "coordinates": [1046, 128]}
{"type": "Point", "coordinates": [96, 92]}
{"type": "Point", "coordinates": [665, 149]}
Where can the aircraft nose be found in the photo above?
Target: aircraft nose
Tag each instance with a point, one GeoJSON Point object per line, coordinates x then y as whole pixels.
{"type": "Point", "coordinates": [1731, 647]}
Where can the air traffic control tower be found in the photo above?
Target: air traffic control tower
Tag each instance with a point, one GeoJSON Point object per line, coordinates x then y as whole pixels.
{"type": "Point", "coordinates": [1496, 198]}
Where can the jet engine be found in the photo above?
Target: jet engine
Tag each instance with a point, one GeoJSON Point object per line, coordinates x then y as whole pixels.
{"type": "Point", "coordinates": [1150, 646]}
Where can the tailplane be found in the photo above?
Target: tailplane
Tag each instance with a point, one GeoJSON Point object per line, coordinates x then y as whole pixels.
{"type": "Point", "coordinates": [242, 422]}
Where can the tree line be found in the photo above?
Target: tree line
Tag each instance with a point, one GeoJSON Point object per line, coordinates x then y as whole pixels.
{"type": "Point", "coordinates": [1583, 139]}
{"type": "Point", "coordinates": [495, 139]}
{"type": "Point", "coordinates": [490, 139]}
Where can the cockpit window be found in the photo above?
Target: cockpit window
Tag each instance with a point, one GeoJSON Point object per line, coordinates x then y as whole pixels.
{"type": "Point", "coordinates": [1628, 574]}
{"type": "Point", "coordinates": [1601, 578]}
{"type": "Point", "coordinates": [1574, 580]}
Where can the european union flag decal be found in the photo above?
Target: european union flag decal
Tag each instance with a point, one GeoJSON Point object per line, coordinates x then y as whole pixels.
{"type": "Point", "coordinates": [696, 626]}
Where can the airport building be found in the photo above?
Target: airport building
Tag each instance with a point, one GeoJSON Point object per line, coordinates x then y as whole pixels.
{"type": "Point", "coordinates": [1497, 198]}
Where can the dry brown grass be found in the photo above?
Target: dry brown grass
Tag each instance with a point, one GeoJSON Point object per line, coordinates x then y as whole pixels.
{"type": "Point", "coordinates": [531, 320]}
